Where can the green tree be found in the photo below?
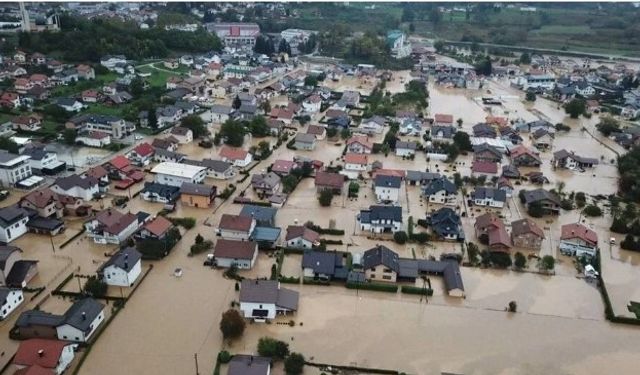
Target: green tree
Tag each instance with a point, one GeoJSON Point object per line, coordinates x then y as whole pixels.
{"type": "Point", "coordinates": [400, 237]}
{"type": "Point", "coordinates": [236, 102]}
{"type": "Point", "coordinates": [592, 211]}
{"type": "Point", "coordinates": [547, 263]}
{"type": "Point", "coordinates": [232, 324]}
{"type": "Point", "coordinates": [530, 96]}
{"type": "Point", "coordinates": [575, 108]}
{"type": "Point", "coordinates": [264, 148]}
{"type": "Point", "coordinates": [232, 132]}
{"type": "Point", "coordinates": [294, 364]}
{"type": "Point", "coordinates": [95, 287]}
{"type": "Point", "coordinates": [272, 348]}
{"type": "Point", "coordinates": [325, 198]}
{"type": "Point", "coordinates": [196, 124]}
{"type": "Point", "coordinates": [152, 118]}
{"type": "Point", "coordinates": [462, 141]}
{"type": "Point", "coordinates": [137, 87]}
{"type": "Point", "coordinates": [69, 136]}
{"type": "Point", "coordinates": [258, 127]}
{"type": "Point", "coordinates": [525, 59]}
{"type": "Point", "coordinates": [608, 125]}
{"type": "Point", "coordinates": [311, 80]}
{"type": "Point", "coordinates": [284, 47]}
{"type": "Point", "coordinates": [8, 144]}
{"type": "Point", "coordinates": [345, 133]}
{"type": "Point", "coordinates": [472, 253]}
{"type": "Point", "coordinates": [289, 183]}
{"type": "Point", "coordinates": [520, 261]}
{"type": "Point", "coordinates": [332, 131]}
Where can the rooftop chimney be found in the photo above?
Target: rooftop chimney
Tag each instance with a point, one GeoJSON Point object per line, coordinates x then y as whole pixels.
{"type": "Point", "coordinates": [126, 265]}
{"type": "Point", "coordinates": [84, 315]}
{"type": "Point", "coordinates": [41, 353]}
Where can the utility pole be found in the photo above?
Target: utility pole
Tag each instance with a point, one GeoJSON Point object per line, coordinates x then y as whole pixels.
{"type": "Point", "coordinates": [195, 357]}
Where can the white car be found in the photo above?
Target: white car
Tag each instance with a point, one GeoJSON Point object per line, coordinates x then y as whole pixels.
{"type": "Point", "coordinates": [138, 137]}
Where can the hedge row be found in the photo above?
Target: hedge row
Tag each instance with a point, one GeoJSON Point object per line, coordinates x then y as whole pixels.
{"type": "Point", "coordinates": [289, 280]}
{"type": "Point", "coordinates": [315, 282]}
{"type": "Point", "coordinates": [416, 290]}
{"type": "Point", "coordinates": [320, 230]}
{"type": "Point", "coordinates": [291, 250]}
{"type": "Point", "coordinates": [389, 288]}
{"type": "Point", "coordinates": [331, 242]}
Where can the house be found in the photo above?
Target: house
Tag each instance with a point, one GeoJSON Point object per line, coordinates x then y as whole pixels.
{"type": "Point", "coordinates": [324, 265]}
{"type": "Point", "coordinates": [10, 100]}
{"type": "Point", "coordinates": [527, 234]}
{"type": "Point", "coordinates": [90, 96]}
{"type": "Point", "coordinates": [522, 156]}
{"type": "Point", "coordinates": [167, 144]}
{"type": "Point", "coordinates": [446, 225]}
{"type": "Point", "coordinates": [354, 164]}
{"type": "Point", "coordinates": [93, 138]}
{"type": "Point", "coordinates": [236, 227]}
{"type": "Point", "coordinates": [75, 186]}
{"type": "Point", "coordinates": [387, 188]}
{"type": "Point", "coordinates": [45, 202]}
{"type": "Point", "coordinates": [372, 125]}
{"type": "Point", "coordinates": [42, 161]}
{"type": "Point", "coordinates": [13, 168]}
{"type": "Point", "coordinates": [443, 120]}
{"type": "Point", "coordinates": [175, 174]}
{"type": "Point", "coordinates": [197, 195]}
{"type": "Point", "coordinates": [241, 254]}
{"type": "Point", "coordinates": [484, 131]}
{"type": "Point", "coordinates": [111, 61]}
{"type": "Point", "coordinates": [312, 104]}
{"type": "Point", "coordinates": [485, 152]}
{"type": "Point", "coordinates": [85, 72]}
{"type": "Point", "coordinates": [10, 299]}
{"type": "Point", "coordinates": [305, 141]}
{"type": "Point", "coordinates": [380, 219]}
{"type": "Point", "coordinates": [505, 185]}
{"type": "Point", "coordinates": [81, 320]}
{"type": "Point", "coordinates": [52, 356]}
{"type": "Point", "coordinates": [157, 228]}
{"type": "Point", "coordinates": [239, 157]}
{"type": "Point", "coordinates": [218, 169]}
{"type": "Point", "coordinates": [161, 156]}
{"type": "Point", "coordinates": [182, 134]}
{"type": "Point", "coordinates": [381, 264]}
{"type": "Point", "coordinates": [358, 144]}
{"type": "Point", "coordinates": [490, 230]}
{"type": "Point", "coordinates": [406, 149]}
{"type": "Point", "coordinates": [441, 191]}
{"type": "Point", "coordinates": [320, 132]}
{"type": "Point", "coordinates": [100, 174]}
{"type": "Point", "coordinates": [578, 240]}
{"type": "Point", "coordinates": [283, 167]}
{"type": "Point", "coordinates": [442, 133]}
{"type": "Point", "coordinates": [265, 183]}
{"type": "Point", "coordinates": [242, 364]}
{"type": "Point", "coordinates": [549, 201]}
{"type": "Point", "coordinates": [542, 139]}
{"type": "Point", "coordinates": [26, 123]}
{"type": "Point", "coordinates": [301, 237]}
{"type": "Point", "coordinates": [329, 181]}
{"type": "Point", "coordinates": [263, 300]}
{"type": "Point", "coordinates": [275, 126]}
{"type": "Point", "coordinates": [154, 192]}
{"type": "Point", "coordinates": [510, 171]}
{"type": "Point", "coordinates": [411, 127]}
{"type": "Point", "coordinates": [14, 271]}
{"type": "Point", "coordinates": [112, 125]}
{"type": "Point", "coordinates": [419, 178]}
{"type": "Point", "coordinates": [111, 226]}
{"type": "Point", "coordinates": [489, 197]}
{"type": "Point", "coordinates": [220, 113]}
{"type": "Point", "coordinates": [264, 216]}
{"type": "Point", "coordinates": [142, 154]}
{"type": "Point", "coordinates": [484, 168]}
{"type": "Point", "coordinates": [569, 160]}
{"type": "Point", "coordinates": [123, 268]}
{"type": "Point", "coordinates": [69, 104]}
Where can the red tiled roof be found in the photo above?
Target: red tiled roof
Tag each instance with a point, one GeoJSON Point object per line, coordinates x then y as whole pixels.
{"type": "Point", "coordinates": [333, 180]}
{"type": "Point", "coordinates": [282, 166]}
{"type": "Point", "coordinates": [236, 222]}
{"type": "Point", "coordinates": [361, 139]}
{"type": "Point", "coordinates": [120, 162]}
{"type": "Point", "coordinates": [316, 130]}
{"type": "Point", "coordinates": [28, 355]}
{"type": "Point", "coordinates": [390, 172]}
{"type": "Point", "coordinates": [158, 226]}
{"type": "Point", "coordinates": [484, 167]}
{"type": "Point", "coordinates": [144, 149]}
{"type": "Point", "coordinates": [97, 172]}
{"type": "Point", "coordinates": [233, 153]}
{"type": "Point", "coordinates": [34, 370]}
{"type": "Point", "coordinates": [570, 231]}
{"type": "Point", "coordinates": [356, 159]}
{"type": "Point", "coordinates": [487, 221]}
{"type": "Point", "coordinates": [295, 231]}
{"type": "Point", "coordinates": [497, 120]}
{"type": "Point", "coordinates": [439, 117]}
{"type": "Point", "coordinates": [234, 249]}
{"type": "Point", "coordinates": [522, 150]}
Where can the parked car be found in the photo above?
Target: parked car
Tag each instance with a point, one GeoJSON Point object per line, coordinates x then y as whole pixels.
{"type": "Point", "coordinates": [3, 195]}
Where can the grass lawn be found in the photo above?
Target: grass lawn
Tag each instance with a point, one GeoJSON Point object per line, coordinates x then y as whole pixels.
{"type": "Point", "coordinates": [102, 109]}
{"type": "Point", "coordinates": [5, 117]}
{"type": "Point", "coordinates": [158, 78]}
{"type": "Point", "coordinates": [78, 87]}
{"type": "Point", "coordinates": [52, 127]}
{"type": "Point", "coordinates": [181, 69]}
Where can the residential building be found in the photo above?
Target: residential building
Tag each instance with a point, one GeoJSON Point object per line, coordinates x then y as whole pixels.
{"type": "Point", "coordinates": [52, 356]}
{"type": "Point", "coordinates": [175, 174]}
{"type": "Point", "coordinates": [355, 164]}
{"type": "Point", "coordinates": [441, 191]}
{"type": "Point", "coordinates": [542, 139]}
{"type": "Point", "coordinates": [380, 219]}
{"type": "Point", "coordinates": [578, 240]}
{"type": "Point", "coordinates": [266, 183]}
{"type": "Point", "coordinates": [312, 104]}
{"type": "Point", "coordinates": [154, 192]}
{"type": "Point", "coordinates": [387, 188]}
{"type": "Point", "coordinates": [236, 227]}
{"type": "Point", "coordinates": [301, 237]}
{"type": "Point", "coordinates": [197, 195]}
{"type": "Point", "coordinates": [522, 156]}
{"type": "Point", "coordinates": [489, 197]}
{"type": "Point", "coordinates": [442, 133]}
{"type": "Point", "coordinates": [241, 254]}
{"type": "Point", "coordinates": [111, 226]}
{"type": "Point", "coordinates": [490, 229]}
{"type": "Point", "coordinates": [549, 201]}
{"type": "Point", "coordinates": [112, 125]}
{"type": "Point", "coordinates": [13, 168]}
{"type": "Point", "coordinates": [239, 157]}
{"type": "Point", "coordinates": [157, 228]}
{"type": "Point", "coordinates": [142, 154]}
{"type": "Point", "coordinates": [263, 300]}
{"type": "Point", "coordinates": [484, 168]}
{"type": "Point", "coordinates": [81, 320]}
{"type": "Point", "coordinates": [372, 125]}
{"type": "Point", "coordinates": [569, 160]}
{"type": "Point", "coordinates": [527, 234]}
{"type": "Point", "coordinates": [381, 264]}
{"type": "Point", "coordinates": [446, 224]}
{"type": "Point", "coordinates": [304, 141]}
{"type": "Point", "coordinates": [264, 216]}
{"type": "Point", "coordinates": [161, 156]}
{"type": "Point", "coordinates": [182, 134]}
{"type": "Point", "coordinates": [324, 265]}
{"type": "Point", "coordinates": [10, 299]}
{"type": "Point", "coordinates": [69, 104]}
{"type": "Point", "coordinates": [329, 181]}
{"type": "Point", "coordinates": [486, 152]}
{"type": "Point", "coordinates": [13, 223]}
{"type": "Point", "coordinates": [43, 161]}
{"type": "Point", "coordinates": [406, 149]}
{"type": "Point", "coordinates": [359, 145]}
{"type": "Point", "coordinates": [283, 167]}
{"type": "Point", "coordinates": [242, 364]}
{"type": "Point", "coordinates": [86, 188]}
{"type": "Point", "coordinates": [235, 33]}
{"type": "Point", "coordinates": [398, 44]}
{"type": "Point", "coordinates": [218, 169]}
{"type": "Point", "coordinates": [93, 138]}
{"type": "Point", "coordinates": [14, 271]}
{"type": "Point", "coordinates": [443, 120]}
{"type": "Point", "coordinates": [123, 268]}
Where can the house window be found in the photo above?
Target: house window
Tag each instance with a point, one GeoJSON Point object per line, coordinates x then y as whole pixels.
{"type": "Point", "coordinates": [373, 275]}
{"type": "Point", "coordinates": [386, 277]}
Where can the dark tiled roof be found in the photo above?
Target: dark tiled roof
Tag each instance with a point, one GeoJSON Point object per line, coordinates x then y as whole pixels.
{"type": "Point", "coordinates": [380, 255]}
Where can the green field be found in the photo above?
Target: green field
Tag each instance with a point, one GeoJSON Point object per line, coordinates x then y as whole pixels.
{"type": "Point", "coordinates": [158, 78]}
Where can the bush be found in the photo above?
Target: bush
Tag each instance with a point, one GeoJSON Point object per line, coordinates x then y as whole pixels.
{"type": "Point", "coordinates": [420, 237]}
{"type": "Point", "coordinates": [520, 261]}
{"type": "Point", "coordinates": [408, 289]}
{"type": "Point", "coordinates": [400, 237]}
{"type": "Point", "coordinates": [95, 287]}
{"type": "Point", "coordinates": [547, 262]}
{"type": "Point", "coordinates": [592, 211]}
{"type": "Point", "coordinates": [269, 347]}
{"type": "Point", "coordinates": [224, 356]}
{"type": "Point", "coordinates": [325, 198]}
{"type": "Point", "coordinates": [185, 222]}
{"type": "Point", "coordinates": [320, 230]}
{"type": "Point", "coordinates": [513, 306]}
{"type": "Point", "coordinates": [619, 226]}
{"type": "Point", "coordinates": [232, 324]}
{"type": "Point", "coordinates": [158, 249]}
{"type": "Point", "coordinates": [289, 280]}
{"type": "Point", "coordinates": [390, 288]}
{"type": "Point", "coordinates": [294, 364]}
{"type": "Point", "coordinates": [535, 209]}
{"type": "Point", "coordinates": [566, 204]}
{"type": "Point", "coordinates": [198, 248]}
{"type": "Point", "coordinates": [500, 259]}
